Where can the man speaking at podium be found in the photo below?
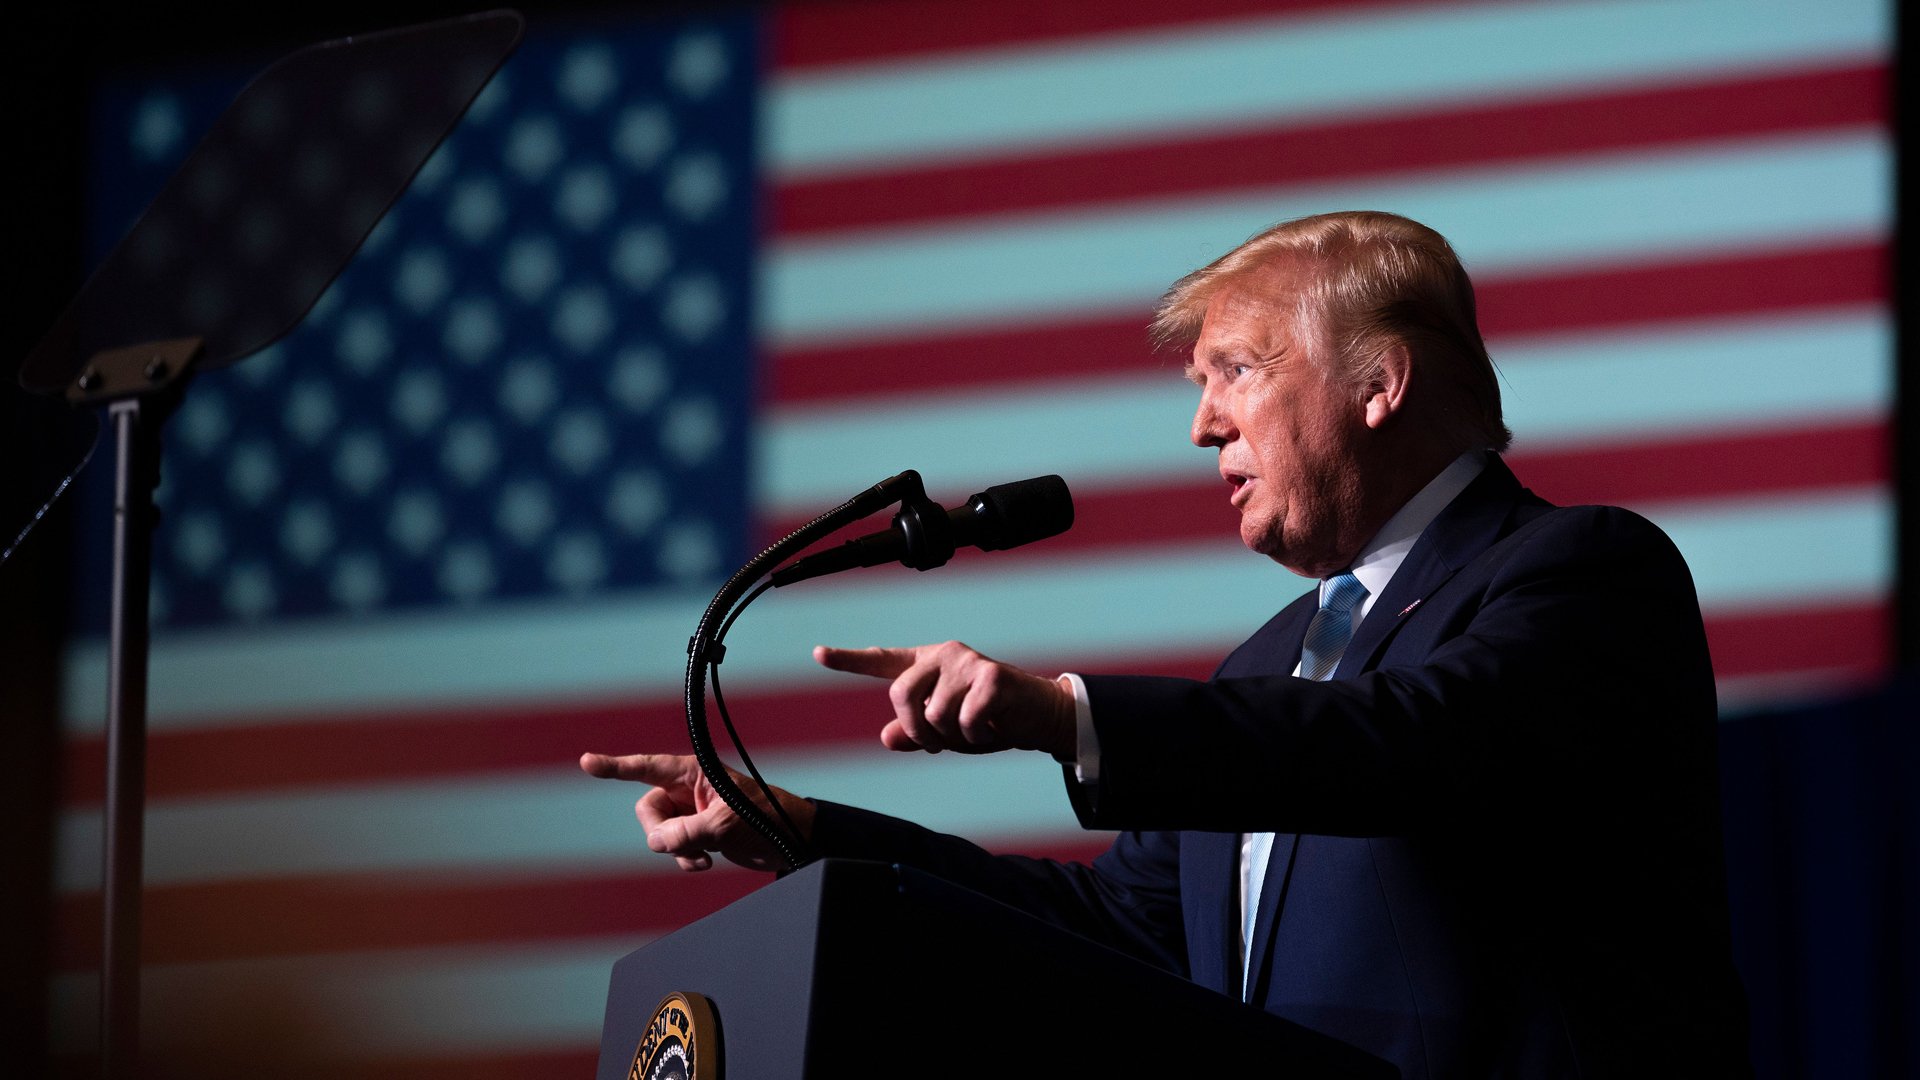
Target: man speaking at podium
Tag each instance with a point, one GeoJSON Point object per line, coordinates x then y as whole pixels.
{"type": "Point", "coordinates": [1457, 806]}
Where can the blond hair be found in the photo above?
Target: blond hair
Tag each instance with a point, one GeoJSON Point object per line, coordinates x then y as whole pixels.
{"type": "Point", "coordinates": [1383, 280]}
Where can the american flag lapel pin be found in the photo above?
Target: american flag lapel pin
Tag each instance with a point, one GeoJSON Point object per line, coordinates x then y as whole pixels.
{"type": "Point", "coordinates": [1405, 611]}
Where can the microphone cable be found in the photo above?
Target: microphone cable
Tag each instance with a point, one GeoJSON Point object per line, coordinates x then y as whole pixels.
{"type": "Point", "coordinates": [726, 720]}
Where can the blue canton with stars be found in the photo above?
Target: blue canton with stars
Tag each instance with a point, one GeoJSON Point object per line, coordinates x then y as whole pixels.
{"type": "Point", "coordinates": [534, 379]}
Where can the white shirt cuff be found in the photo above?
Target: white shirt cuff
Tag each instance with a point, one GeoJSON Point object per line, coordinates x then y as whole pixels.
{"type": "Point", "coordinates": [1086, 768]}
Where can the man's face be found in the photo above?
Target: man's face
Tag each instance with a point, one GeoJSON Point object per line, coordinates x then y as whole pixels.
{"type": "Point", "coordinates": [1287, 434]}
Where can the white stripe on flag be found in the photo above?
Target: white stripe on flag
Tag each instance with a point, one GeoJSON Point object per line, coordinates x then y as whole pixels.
{"type": "Point", "coordinates": [1596, 209]}
{"type": "Point", "coordinates": [1160, 81]}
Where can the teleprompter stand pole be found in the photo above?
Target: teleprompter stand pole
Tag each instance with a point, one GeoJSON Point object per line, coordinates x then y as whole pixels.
{"type": "Point", "coordinates": [122, 868]}
{"type": "Point", "coordinates": [141, 386]}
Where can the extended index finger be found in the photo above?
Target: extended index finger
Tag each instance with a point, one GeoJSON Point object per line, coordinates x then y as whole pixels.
{"type": "Point", "coordinates": [879, 663]}
{"type": "Point", "coordinates": [653, 769]}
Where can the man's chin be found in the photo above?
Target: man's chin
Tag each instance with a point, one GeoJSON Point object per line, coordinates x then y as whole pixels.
{"type": "Point", "coordinates": [1296, 570]}
{"type": "Point", "coordinates": [1265, 542]}
{"type": "Point", "coordinates": [1258, 540]}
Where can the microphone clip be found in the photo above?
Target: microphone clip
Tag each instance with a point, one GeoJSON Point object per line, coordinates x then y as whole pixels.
{"type": "Point", "coordinates": [925, 529]}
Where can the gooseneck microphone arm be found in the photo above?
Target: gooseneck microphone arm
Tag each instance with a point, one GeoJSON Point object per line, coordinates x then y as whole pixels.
{"type": "Point", "coordinates": [922, 535]}
{"type": "Point", "coordinates": [706, 650]}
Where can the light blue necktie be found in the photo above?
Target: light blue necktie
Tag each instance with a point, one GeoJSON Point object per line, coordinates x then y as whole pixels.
{"type": "Point", "coordinates": [1331, 628]}
{"type": "Point", "coordinates": [1327, 637]}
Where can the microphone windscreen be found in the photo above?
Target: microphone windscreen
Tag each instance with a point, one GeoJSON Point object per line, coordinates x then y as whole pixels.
{"type": "Point", "coordinates": [1009, 515]}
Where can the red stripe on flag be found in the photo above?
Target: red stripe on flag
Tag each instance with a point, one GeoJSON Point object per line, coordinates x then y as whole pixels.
{"type": "Point", "coordinates": [1835, 275]}
{"type": "Point", "coordinates": [323, 751]}
{"type": "Point", "coordinates": [1713, 466]}
{"type": "Point", "coordinates": [853, 31]}
{"type": "Point", "coordinates": [1027, 354]}
{"type": "Point", "coordinates": [230, 920]}
{"type": "Point", "coordinates": [1650, 470]}
{"type": "Point", "coordinates": [1269, 157]}
{"type": "Point", "coordinates": [1853, 639]}
{"type": "Point", "coordinates": [1135, 516]}
{"type": "Point", "coordinates": [305, 916]}
{"type": "Point", "coordinates": [1562, 301]}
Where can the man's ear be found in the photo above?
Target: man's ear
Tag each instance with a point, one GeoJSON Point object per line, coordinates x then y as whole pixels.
{"type": "Point", "coordinates": [1386, 393]}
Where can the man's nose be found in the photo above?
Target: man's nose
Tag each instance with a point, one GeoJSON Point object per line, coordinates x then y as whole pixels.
{"type": "Point", "coordinates": [1211, 425]}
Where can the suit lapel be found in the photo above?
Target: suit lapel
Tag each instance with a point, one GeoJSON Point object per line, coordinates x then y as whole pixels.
{"type": "Point", "coordinates": [1469, 525]}
{"type": "Point", "coordinates": [1419, 575]}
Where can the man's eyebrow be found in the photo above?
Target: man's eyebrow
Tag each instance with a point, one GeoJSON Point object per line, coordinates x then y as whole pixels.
{"type": "Point", "coordinates": [1215, 357]}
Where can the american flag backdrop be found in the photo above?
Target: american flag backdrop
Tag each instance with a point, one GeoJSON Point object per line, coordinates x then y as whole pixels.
{"type": "Point", "coordinates": [675, 284]}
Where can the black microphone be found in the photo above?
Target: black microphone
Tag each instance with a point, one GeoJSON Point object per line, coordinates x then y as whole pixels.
{"type": "Point", "coordinates": [924, 536]}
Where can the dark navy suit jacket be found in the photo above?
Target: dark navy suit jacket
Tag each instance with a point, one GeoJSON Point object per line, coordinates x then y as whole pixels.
{"type": "Point", "coordinates": [1499, 847]}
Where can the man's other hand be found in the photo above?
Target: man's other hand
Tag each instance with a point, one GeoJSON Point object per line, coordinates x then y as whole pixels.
{"type": "Point", "coordinates": [949, 697]}
{"type": "Point", "coordinates": [685, 817]}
